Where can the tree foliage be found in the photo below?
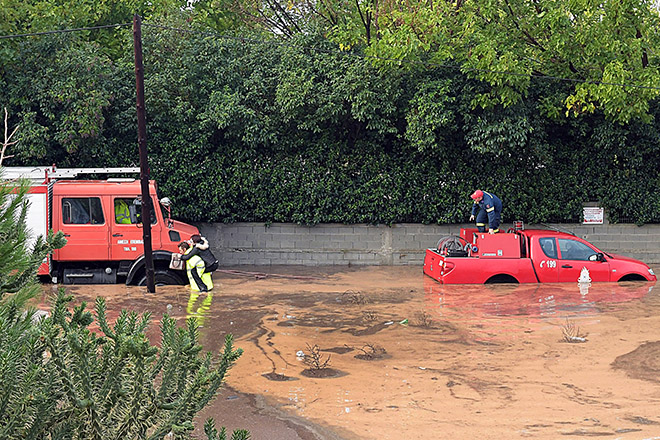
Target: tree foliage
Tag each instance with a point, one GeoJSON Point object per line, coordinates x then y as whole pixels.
{"type": "Point", "coordinates": [20, 253]}
{"type": "Point", "coordinates": [242, 128]}
{"type": "Point", "coordinates": [507, 44]}
{"type": "Point", "coordinates": [61, 380]}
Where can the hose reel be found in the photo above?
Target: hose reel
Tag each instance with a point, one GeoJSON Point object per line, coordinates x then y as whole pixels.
{"type": "Point", "coordinates": [452, 246]}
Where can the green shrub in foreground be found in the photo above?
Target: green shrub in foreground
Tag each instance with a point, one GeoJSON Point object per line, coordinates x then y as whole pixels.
{"type": "Point", "coordinates": [63, 381]}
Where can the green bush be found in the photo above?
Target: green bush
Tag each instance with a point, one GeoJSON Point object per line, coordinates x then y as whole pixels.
{"type": "Point", "coordinates": [249, 130]}
{"type": "Point", "coordinates": [63, 381]}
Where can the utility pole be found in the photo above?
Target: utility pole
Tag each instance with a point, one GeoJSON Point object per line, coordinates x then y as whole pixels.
{"type": "Point", "coordinates": [147, 207]}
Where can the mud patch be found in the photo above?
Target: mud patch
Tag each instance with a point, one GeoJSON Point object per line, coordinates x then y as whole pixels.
{"type": "Point", "coordinates": [641, 363]}
{"type": "Point", "coordinates": [339, 350]}
{"type": "Point", "coordinates": [278, 377]}
{"type": "Point", "coordinates": [323, 373]}
{"type": "Point", "coordinates": [582, 433]}
{"type": "Point", "coordinates": [367, 331]}
{"type": "Point", "coordinates": [371, 352]}
{"type": "Point", "coordinates": [642, 421]}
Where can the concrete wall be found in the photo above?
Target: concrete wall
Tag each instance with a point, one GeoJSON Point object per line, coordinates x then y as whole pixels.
{"type": "Point", "coordinates": [401, 244]}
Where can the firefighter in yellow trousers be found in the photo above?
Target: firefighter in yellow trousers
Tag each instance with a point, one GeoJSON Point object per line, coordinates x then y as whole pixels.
{"type": "Point", "coordinates": [199, 281]}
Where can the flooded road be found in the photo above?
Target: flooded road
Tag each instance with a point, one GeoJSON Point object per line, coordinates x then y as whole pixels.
{"type": "Point", "coordinates": [387, 353]}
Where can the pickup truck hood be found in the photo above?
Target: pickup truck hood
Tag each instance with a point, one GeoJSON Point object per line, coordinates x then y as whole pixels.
{"type": "Point", "coordinates": [626, 259]}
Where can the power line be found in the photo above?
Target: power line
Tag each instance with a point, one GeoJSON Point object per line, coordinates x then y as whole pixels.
{"type": "Point", "coordinates": [352, 54]}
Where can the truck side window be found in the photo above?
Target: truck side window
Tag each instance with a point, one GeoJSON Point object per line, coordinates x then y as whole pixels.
{"type": "Point", "coordinates": [548, 246]}
{"type": "Point", "coordinates": [82, 211]}
{"type": "Point", "coordinates": [574, 250]}
{"type": "Point", "coordinates": [125, 212]}
{"type": "Point", "coordinates": [136, 204]}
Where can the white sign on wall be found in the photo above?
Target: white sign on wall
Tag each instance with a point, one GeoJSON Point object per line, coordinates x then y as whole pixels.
{"type": "Point", "coordinates": [593, 216]}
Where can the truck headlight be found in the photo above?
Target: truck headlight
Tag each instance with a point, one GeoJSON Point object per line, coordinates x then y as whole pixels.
{"type": "Point", "coordinates": [651, 272]}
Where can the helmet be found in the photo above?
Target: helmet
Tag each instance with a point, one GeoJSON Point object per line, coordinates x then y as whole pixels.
{"type": "Point", "coordinates": [477, 194]}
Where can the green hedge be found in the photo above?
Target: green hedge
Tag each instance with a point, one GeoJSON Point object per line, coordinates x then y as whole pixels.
{"type": "Point", "coordinates": [300, 132]}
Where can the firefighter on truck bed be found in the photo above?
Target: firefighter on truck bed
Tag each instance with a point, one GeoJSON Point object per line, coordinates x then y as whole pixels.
{"type": "Point", "coordinates": [488, 210]}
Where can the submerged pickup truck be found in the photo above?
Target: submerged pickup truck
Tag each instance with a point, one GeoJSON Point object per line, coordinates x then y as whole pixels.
{"type": "Point", "coordinates": [527, 256]}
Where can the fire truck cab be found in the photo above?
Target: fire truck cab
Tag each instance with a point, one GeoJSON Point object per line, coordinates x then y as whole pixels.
{"type": "Point", "coordinates": [101, 220]}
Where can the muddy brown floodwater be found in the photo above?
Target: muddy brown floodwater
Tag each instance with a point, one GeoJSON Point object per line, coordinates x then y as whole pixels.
{"type": "Point", "coordinates": [400, 356]}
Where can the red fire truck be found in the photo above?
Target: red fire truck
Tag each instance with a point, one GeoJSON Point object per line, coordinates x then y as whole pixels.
{"type": "Point", "coordinates": [527, 256]}
{"type": "Point", "coordinates": [101, 221]}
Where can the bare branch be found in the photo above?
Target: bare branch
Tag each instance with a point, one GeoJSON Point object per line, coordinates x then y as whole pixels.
{"type": "Point", "coordinates": [7, 142]}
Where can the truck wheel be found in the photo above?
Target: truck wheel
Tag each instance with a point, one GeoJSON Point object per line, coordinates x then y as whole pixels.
{"type": "Point", "coordinates": [163, 278]}
{"type": "Point", "coordinates": [632, 277]}
{"type": "Point", "coordinates": [501, 278]}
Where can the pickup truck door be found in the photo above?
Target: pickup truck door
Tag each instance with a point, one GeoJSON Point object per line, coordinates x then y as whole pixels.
{"type": "Point", "coordinates": [544, 259]}
{"type": "Point", "coordinates": [574, 256]}
{"type": "Point", "coordinates": [126, 238]}
{"type": "Point", "coordinates": [84, 225]}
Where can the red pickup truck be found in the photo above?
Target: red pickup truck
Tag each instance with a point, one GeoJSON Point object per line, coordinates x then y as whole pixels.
{"type": "Point", "coordinates": [527, 256]}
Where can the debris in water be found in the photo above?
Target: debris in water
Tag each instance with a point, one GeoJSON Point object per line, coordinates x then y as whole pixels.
{"type": "Point", "coordinates": [572, 333]}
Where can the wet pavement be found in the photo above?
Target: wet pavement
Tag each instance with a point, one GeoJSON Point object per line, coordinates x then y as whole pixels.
{"type": "Point", "coordinates": [387, 353]}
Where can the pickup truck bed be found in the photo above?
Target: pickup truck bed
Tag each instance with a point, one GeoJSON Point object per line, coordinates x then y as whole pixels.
{"type": "Point", "coordinates": [475, 270]}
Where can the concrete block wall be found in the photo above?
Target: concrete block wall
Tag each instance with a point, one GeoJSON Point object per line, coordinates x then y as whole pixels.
{"type": "Point", "coordinates": [239, 244]}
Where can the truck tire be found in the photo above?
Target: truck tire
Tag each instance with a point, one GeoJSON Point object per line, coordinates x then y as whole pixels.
{"type": "Point", "coordinates": [501, 278]}
{"type": "Point", "coordinates": [163, 278]}
{"type": "Point", "coordinates": [632, 277]}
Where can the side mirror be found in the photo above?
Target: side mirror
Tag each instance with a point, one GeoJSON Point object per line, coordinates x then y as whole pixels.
{"type": "Point", "coordinates": [167, 204]}
{"type": "Point", "coordinates": [597, 257]}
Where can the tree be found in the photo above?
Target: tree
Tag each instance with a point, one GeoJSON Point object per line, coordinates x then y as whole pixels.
{"type": "Point", "coordinates": [62, 380]}
{"type": "Point", "coordinates": [7, 142]}
{"type": "Point", "coordinates": [606, 50]}
{"type": "Point", "coordinates": [20, 254]}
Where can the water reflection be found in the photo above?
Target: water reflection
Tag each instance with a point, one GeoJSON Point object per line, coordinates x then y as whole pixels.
{"type": "Point", "coordinates": [530, 300]}
{"type": "Point", "coordinates": [298, 398]}
{"type": "Point", "coordinates": [199, 311]}
{"type": "Point", "coordinates": [344, 401]}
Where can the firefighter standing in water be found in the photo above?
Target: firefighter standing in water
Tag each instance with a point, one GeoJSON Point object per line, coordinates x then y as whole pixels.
{"type": "Point", "coordinates": [200, 281]}
{"type": "Point", "coordinates": [488, 210]}
{"type": "Point", "coordinates": [200, 247]}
